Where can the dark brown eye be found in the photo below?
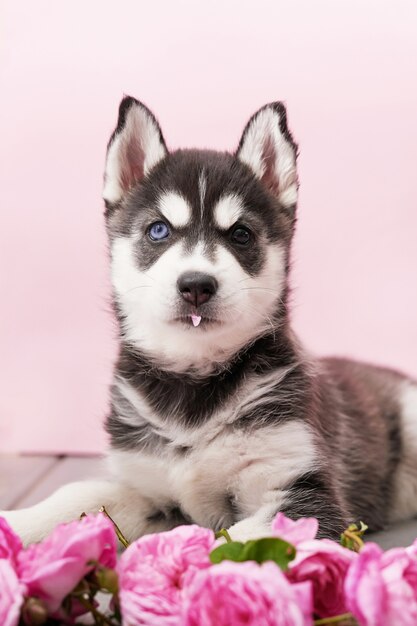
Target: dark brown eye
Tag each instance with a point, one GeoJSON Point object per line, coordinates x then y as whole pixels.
{"type": "Point", "coordinates": [240, 235]}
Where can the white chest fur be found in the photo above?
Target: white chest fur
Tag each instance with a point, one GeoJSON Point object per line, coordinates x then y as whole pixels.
{"type": "Point", "coordinates": [241, 466]}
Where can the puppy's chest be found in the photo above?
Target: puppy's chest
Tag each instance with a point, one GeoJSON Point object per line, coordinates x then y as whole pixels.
{"type": "Point", "coordinates": [220, 470]}
{"type": "Point", "coordinates": [219, 481]}
{"type": "Point", "coordinates": [203, 480]}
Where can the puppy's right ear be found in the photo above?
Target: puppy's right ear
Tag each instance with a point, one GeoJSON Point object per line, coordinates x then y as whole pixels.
{"type": "Point", "coordinates": [135, 147]}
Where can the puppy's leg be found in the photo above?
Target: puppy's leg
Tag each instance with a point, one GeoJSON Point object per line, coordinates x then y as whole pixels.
{"type": "Point", "coordinates": [133, 513]}
{"type": "Point", "coordinates": [309, 496]}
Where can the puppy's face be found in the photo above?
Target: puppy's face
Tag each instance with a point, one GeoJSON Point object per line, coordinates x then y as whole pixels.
{"type": "Point", "coordinates": [199, 240]}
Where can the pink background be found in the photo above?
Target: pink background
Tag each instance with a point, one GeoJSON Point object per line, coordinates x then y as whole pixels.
{"type": "Point", "coordinates": [347, 70]}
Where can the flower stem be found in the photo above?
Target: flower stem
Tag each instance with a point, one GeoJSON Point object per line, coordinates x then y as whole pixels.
{"type": "Point", "coordinates": [357, 541]}
{"type": "Point", "coordinates": [223, 533]}
{"type": "Point", "coordinates": [333, 620]}
{"type": "Point", "coordinates": [119, 533]}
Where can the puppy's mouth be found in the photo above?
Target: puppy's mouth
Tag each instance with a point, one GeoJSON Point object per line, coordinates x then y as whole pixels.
{"type": "Point", "coordinates": [197, 320]}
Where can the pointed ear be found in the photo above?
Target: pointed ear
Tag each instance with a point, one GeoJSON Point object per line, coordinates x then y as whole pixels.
{"type": "Point", "coordinates": [269, 150]}
{"type": "Point", "coordinates": [134, 148]}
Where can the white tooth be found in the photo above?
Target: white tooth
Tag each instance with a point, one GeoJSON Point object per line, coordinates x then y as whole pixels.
{"type": "Point", "coordinates": [196, 319]}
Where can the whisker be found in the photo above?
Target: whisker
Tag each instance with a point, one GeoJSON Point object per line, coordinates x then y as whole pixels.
{"type": "Point", "coordinates": [257, 288]}
{"type": "Point", "coordinates": [251, 277]}
{"type": "Point", "coordinates": [251, 288]}
{"type": "Point", "coordinates": [261, 314]}
{"type": "Point", "coordinates": [151, 277]}
{"type": "Point", "coordinates": [137, 287]}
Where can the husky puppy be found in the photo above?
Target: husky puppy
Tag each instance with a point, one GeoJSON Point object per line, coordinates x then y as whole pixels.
{"type": "Point", "coordinates": [218, 415]}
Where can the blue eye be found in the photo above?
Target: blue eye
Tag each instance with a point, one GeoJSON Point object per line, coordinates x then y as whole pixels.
{"type": "Point", "coordinates": [158, 231]}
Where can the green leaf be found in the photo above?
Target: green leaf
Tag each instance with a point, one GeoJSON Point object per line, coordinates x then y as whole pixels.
{"type": "Point", "coordinates": [259, 550]}
{"type": "Point", "coordinates": [227, 552]}
{"type": "Point", "coordinates": [269, 549]}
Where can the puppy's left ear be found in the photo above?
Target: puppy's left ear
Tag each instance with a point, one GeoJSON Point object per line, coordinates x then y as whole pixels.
{"type": "Point", "coordinates": [268, 148]}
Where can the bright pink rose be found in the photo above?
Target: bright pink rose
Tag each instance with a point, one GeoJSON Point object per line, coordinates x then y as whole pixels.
{"type": "Point", "coordinates": [10, 544]}
{"type": "Point", "coordinates": [294, 532]}
{"type": "Point", "coordinates": [381, 588]}
{"type": "Point", "coordinates": [152, 572]}
{"type": "Point", "coordinates": [11, 594]}
{"type": "Point", "coordinates": [51, 569]}
{"type": "Point", "coordinates": [246, 594]}
{"type": "Point", "coordinates": [325, 563]}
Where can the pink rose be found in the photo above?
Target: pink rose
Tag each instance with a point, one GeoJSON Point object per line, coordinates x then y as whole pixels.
{"type": "Point", "coordinates": [412, 550]}
{"type": "Point", "coordinates": [325, 563]}
{"type": "Point", "coordinates": [381, 588]}
{"type": "Point", "coordinates": [51, 569]}
{"type": "Point", "coordinates": [10, 544]}
{"type": "Point", "coordinates": [11, 594]}
{"type": "Point", "coordinates": [246, 594]}
{"type": "Point", "coordinates": [152, 572]}
{"type": "Point", "coordinates": [294, 532]}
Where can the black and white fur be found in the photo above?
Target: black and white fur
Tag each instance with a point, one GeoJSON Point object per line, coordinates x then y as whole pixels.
{"type": "Point", "coordinates": [228, 421]}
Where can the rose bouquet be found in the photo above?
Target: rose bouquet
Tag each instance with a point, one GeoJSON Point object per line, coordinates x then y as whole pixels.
{"type": "Point", "coordinates": [184, 577]}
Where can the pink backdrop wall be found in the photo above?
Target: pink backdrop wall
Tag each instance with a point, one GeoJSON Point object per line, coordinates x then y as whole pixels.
{"type": "Point", "coordinates": [347, 70]}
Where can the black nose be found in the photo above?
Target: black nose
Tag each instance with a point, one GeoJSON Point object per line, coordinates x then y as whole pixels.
{"type": "Point", "coordinates": [196, 287]}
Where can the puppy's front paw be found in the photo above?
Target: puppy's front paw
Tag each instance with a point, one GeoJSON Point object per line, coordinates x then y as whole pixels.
{"type": "Point", "coordinates": [249, 529]}
{"type": "Point", "coordinates": [22, 524]}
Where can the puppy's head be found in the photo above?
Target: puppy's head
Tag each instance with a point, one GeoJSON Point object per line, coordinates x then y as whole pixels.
{"type": "Point", "coordinates": [199, 240]}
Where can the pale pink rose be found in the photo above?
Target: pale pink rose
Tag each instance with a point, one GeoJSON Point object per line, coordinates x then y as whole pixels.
{"type": "Point", "coordinates": [246, 594]}
{"type": "Point", "coordinates": [381, 588]}
{"type": "Point", "coordinates": [11, 594]}
{"type": "Point", "coordinates": [325, 563]}
{"type": "Point", "coordinates": [303, 529]}
{"type": "Point", "coordinates": [152, 572]}
{"type": "Point", "coordinates": [412, 550]}
{"type": "Point", "coordinates": [51, 569]}
{"type": "Point", "coordinates": [10, 544]}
